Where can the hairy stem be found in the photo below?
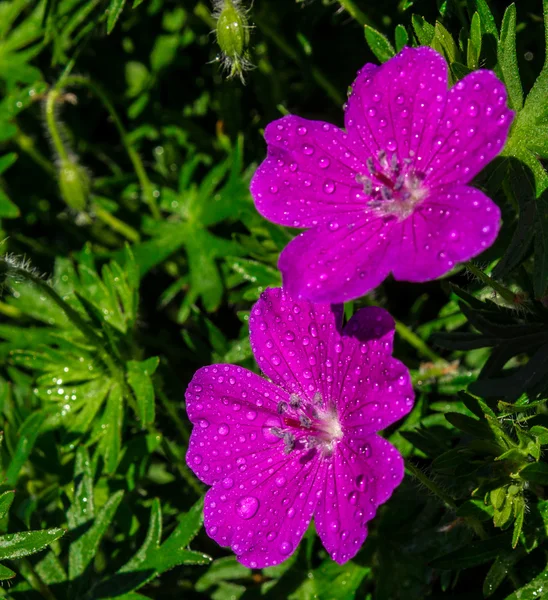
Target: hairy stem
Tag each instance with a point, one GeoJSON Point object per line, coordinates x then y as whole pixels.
{"type": "Point", "coordinates": [148, 190]}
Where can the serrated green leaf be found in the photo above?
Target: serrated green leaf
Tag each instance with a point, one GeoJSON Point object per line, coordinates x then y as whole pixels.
{"type": "Point", "coordinates": [84, 548]}
{"type": "Point", "coordinates": [27, 434]}
{"type": "Point", "coordinates": [223, 569]}
{"type": "Point", "coordinates": [474, 43]}
{"type": "Point", "coordinates": [498, 572]}
{"type": "Point", "coordinates": [487, 20]}
{"type": "Point", "coordinates": [139, 378]}
{"type": "Point", "coordinates": [17, 545]}
{"type": "Point", "coordinates": [534, 590]}
{"type": "Point", "coordinates": [379, 44]}
{"type": "Point", "coordinates": [111, 442]}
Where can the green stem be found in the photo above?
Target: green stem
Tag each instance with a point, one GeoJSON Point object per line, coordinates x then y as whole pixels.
{"type": "Point", "coordinates": [147, 188]}
{"type": "Point", "coordinates": [414, 340]}
{"type": "Point", "coordinates": [116, 224]}
{"type": "Point", "coordinates": [355, 12]}
{"type": "Point", "coordinates": [505, 293]}
{"type": "Point", "coordinates": [53, 128]}
{"type": "Point", "coordinates": [36, 582]}
{"type": "Point", "coordinates": [428, 483]}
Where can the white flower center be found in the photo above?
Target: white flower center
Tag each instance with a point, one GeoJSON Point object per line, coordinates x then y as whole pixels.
{"type": "Point", "coordinates": [393, 188]}
{"type": "Point", "coordinates": [308, 424]}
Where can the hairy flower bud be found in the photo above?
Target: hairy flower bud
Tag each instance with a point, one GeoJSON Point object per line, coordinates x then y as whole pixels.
{"type": "Point", "coordinates": [73, 184]}
{"type": "Point", "coordinates": [233, 36]}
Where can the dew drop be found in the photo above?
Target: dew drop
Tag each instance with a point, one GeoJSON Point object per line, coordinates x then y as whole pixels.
{"type": "Point", "coordinates": [228, 482]}
{"type": "Point", "coordinates": [324, 162]}
{"type": "Point", "coordinates": [247, 507]}
{"type": "Point", "coordinates": [302, 131]}
{"type": "Point", "coordinates": [285, 548]}
{"type": "Point", "coordinates": [197, 460]}
{"type": "Point", "coordinates": [251, 415]}
{"type": "Point", "coordinates": [353, 498]}
{"type": "Point", "coordinates": [329, 186]}
{"type": "Point", "coordinates": [280, 481]}
{"type": "Point", "coordinates": [361, 482]}
{"type": "Point", "coordinates": [276, 360]}
{"type": "Point", "coordinates": [308, 150]}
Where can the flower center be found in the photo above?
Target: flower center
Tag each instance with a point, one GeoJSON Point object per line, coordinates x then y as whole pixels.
{"type": "Point", "coordinates": [394, 188]}
{"type": "Point", "coordinates": [308, 424]}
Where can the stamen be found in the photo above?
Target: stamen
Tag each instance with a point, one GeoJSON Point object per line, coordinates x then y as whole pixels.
{"type": "Point", "coordinates": [394, 164]}
{"type": "Point", "coordinates": [386, 193]}
{"type": "Point", "coordinates": [370, 165]}
{"type": "Point", "coordinates": [382, 158]}
{"type": "Point", "coordinates": [305, 421]}
{"type": "Point", "coordinates": [295, 401]}
{"type": "Point", "coordinates": [282, 407]}
{"type": "Point", "coordinates": [289, 443]}
{"type": "Point", "coordinates": [277, 432]}
{"type": "Point", "coordinates": [399, 183]}
{"type": "Point", "coordinates": [317, 399]}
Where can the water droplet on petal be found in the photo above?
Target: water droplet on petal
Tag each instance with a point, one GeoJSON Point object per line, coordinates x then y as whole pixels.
{"type": "Point", "coordinates": [247, 507]}
{"type": "Point", "coordinates": [324, 162]}
{"type": "Point", "coordinates": [361, 482]}
{"type": "Point", "coordinates": [251, 415]}
{"type": "Point", "coordinates": [285, 548]}
{"type": "Point", "coordinates": [353, 498]}
{"type": "Point", "coordinates": [329, 186]}
{"type": "Point", "coordinates": [302, 131]}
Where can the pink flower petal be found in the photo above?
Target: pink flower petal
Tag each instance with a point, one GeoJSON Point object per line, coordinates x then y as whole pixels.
{"type": "Point", "coordinates": [293, 340]}
{"type": "Point", "coordinates": [372, 323]}
{"type": "Point", "coordinates": [233, 411]}
{"type": "Point", "coordinates": [309, 174]}
{"type": "Point", "coordinates": [472, 130]}
{"type": "Point", "coordinates": [339, 260]}
{"type": "Point", "coordinates": [395, 108]}
{"type": "Point", "coordinates": [263, 512]}
{"type": "Point", "coordinates": [362, 475]}
{"type": "Point", "coordinates": [452, 225]}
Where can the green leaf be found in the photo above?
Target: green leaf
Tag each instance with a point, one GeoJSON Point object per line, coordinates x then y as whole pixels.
{"type": "Point", "coordinates": [474, 43]}
{"type": "Point", "coordinates": [6, 573]}
{"type": "Point", "coordinates": [84, 548]}
{"type": "Point", "coordinates": [223, 569]}
{"type": "Point", "coordinates": [111, 443]}
{"type": "Point", "coordinates": [444, 43]}
{"type": "Point", "coordinates": [82, 508]}
{"type": "Point", "coordinates": [534, 590]}
{"type": "Point", "coordinates": [17, 545]}
{"type": "Point", "coordinates": [423, 30]}
{"type": "Point", "coordinates": [508, 60]}
{"type": "Point", "coordinates": [475, 509]}
{"type": "Point", "coordinates": [6, 500]}
{"type": "Point", "coordinates": [488, 24]}
{"type": "Point", "coordinates": [535, 473]}
{"type": "Point", "coordinates": [379, 44]}
{"type": "Point", "coordinates": [27, 434]}
{"type": "Point", "coordinates": [114, 11]}
{"type": "Point", "coordinates": [476, 553]}
{"type": "Point", "coordinates": [401, 37]}
{"type": "Point", "coordinates": [498, 572]}
{"type": "Point", "coordinates": [139, 378]}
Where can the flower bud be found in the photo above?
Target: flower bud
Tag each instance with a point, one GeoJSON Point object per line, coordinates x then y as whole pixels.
{"type": "Point", "coordinates": [73, 184]}
{"type": "Point", "coordinates": [233, 37]}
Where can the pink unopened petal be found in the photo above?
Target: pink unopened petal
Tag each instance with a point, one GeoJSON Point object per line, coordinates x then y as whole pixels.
{"type": "Point", "coordinates": [395, 108]}
{"type": "Point", "coordinates": [263, 510]}
{"type": "Point", "coordinates": [362, 475]}
{"type": "Point", "coordinates": [472, 130]}
{"type": "Point", "coordinates": [451, 226]}
{"type": "Point", "coordinates": [293, 341]}
{"type": "Point", "coordinates": [309, 175]}
{"type": "Point", "coordinates": [233, 411]}
{"type": "Point", "coordinates": [339, 260]}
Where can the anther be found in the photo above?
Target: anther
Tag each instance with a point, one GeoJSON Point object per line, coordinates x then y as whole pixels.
{"type": "Point", "coordinates": [394, 164]}
{"type": "Point", "coordinates": [277, 432]}
{"type": "Point", "coordinates": [282, 407]}
{"type": "Point", "coordinates": [386, 193]}
{"type": "Point", "coordinates": [370, 166]}
{"type": "Point", "coordinates": [317, 399]}
{"type": "Point", "coordinates": [295, 401]}
{"type": "Point", "coordinates": [399, 183]}
{"type": "Point", "coordinates": [289, 443]}
{"type": "Point", "coordinates": [305, 421]}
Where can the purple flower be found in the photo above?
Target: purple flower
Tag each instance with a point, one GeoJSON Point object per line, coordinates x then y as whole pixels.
{"type": "Point", "coordinates": [304, 443]}
{"type": "Point", "coordinates": [391, 194]}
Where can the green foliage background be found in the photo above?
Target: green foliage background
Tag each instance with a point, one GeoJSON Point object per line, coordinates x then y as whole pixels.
{"type": "Point", "coordinates": [132, 253]}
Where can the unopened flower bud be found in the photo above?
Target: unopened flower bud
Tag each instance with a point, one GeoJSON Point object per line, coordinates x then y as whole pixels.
{"type": "Point", "coordinates": [74, 185]}
{"type": "Point", "coordinates": [233, 36]}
